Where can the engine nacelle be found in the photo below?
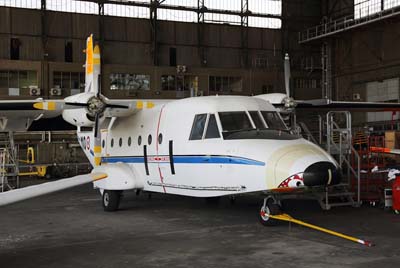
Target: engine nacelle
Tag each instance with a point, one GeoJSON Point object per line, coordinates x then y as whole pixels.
{"type": "Point", "coordinates": [77, 117]}
{"type": "Point", "coordinates": [119, 177]}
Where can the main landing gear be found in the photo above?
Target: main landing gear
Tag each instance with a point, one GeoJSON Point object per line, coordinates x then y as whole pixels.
{"type": "Point", "coordinates": [269, 206]}
{"type": "Point", "coordinates": [111, 199]}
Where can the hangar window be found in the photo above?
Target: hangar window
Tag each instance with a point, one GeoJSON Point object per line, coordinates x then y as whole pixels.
{"type": "Point", "coordinates": [212, 131]}
{"type": "Point", "coordinates": [168, 82]}
{"type": "Point", "coordinates": [225, 84]}
{"type": "Point", "coordinates": [124, 81]}
{"type": "Point", "coordinates": [198, 127]}
{"type": "Point", "coordinates": [18, 79]}
{"type": "Point", "coordinates": [69, 80]}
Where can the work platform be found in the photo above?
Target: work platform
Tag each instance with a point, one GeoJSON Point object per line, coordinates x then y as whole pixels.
{"type": "Point", "coordinates": [343, 24]}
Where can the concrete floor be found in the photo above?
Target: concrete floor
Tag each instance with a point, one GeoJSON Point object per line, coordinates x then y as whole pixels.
{"type": "Point", "coordinates": [70, 229]}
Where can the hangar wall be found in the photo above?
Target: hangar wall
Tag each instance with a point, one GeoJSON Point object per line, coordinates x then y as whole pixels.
{"type": "Point", "coordinates": [127, 48]}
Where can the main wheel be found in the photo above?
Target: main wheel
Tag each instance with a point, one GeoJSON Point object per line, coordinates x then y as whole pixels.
{"type": "Point", "coordinates": [268, 208]}
{"type": "Point", "coordinates": [111, 200]}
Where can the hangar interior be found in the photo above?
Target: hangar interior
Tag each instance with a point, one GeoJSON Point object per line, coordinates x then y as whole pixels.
{"type": "Point", "coordinates": [151, 49]}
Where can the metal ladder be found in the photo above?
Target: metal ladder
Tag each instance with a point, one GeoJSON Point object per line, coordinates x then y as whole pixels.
{"type": "Point", "coordinates": [339, 145]}
{"type": "Point", "coordinates": [9, 169]}
{"type": "Point", "coordinates": [336, 138]}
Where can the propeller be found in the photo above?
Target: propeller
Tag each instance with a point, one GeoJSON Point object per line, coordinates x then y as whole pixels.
{"type": "Point", "coordinates": [288, 102]}
{"type": "Point", "coordinates": [287, 74]}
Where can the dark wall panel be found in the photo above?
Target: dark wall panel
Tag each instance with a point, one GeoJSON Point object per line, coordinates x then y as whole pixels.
{"type": "Point", "coordinates": [126, 53]}
{"type": "Point", "coordinates": [25, 21]}
{"type": "Point", "coordinates": [4, 47]}
{"type": "Point", "coordinates": [84, 25]}
{"type": "Point", "coordinates": [114, 28]}
{"type": "Point", "coordinates": [5, 15]}
{"type": "Point", "coordinates": [31, 48]}
{"type": "Point", "coordinates": [138, 30]}
{"type": "Point", "coordinates": [186, 33]}
{"type": "Point", "coordinates": [166, 32]}
{"type": "Point", "coordinates": [223, 57]}
{"type": "Point", "coordinates": [188, 56]}
{"type": "Point", "coordinates": [211, 35]}
{"type": "Point", "coordinates": [55, 49]}
{"type": "Point", "coordinates": [230, 36]}
{"type": "Point", "coordinates": [59, 24]}
{"type": "Point", "coordinates": [255, 38]}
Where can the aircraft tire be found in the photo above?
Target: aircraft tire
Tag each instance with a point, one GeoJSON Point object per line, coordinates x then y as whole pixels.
{"type": "Point", "coordinates": [270, 208]}
{"type": "Point", "coordinates": [111, 199]}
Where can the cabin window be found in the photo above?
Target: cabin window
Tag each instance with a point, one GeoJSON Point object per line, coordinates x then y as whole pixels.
{"type": "Point", "coordinates": [212, 128]}
{"type": "Point", "coordinates": [258, 122]}
{"type": "Point", "coordinates": [273, 120]}
{"type": "Point", "coordinates": [149, 139]}
{"type": "Point", "coordinates": [112, 143]}
{"type": "Point", "coordinates": [198, 127]}
{"type": "Point", "coordinates": [139, 140]}
{"type": "Point", "coordinates": [234, 121]}
{"type": "Point", "coordinates": [160, 138]}
{"type": "Point", "coordinates": [129, 141]}
{"type": "Point", "coordinates": [120, 142]}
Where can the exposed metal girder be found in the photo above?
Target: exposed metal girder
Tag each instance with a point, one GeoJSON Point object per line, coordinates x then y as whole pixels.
{"type": "Point", "coordinates": [197, 9]}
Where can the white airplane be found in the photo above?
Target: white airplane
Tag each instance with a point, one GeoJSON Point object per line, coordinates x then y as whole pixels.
{"type": "Point", "coordinates": [202, 147]}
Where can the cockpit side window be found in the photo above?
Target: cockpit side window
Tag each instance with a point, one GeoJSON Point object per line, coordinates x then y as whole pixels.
{"type": "Point", "coordinates": [212, 131]}
{"type": "Point", "coordinates": [258, 122]}
{"type": "Point", "coordinates": [273, 120]}
{"type": "Point", "coordinates": [198, 127]}
{"type": "Point", "coordinates": [232, 121]}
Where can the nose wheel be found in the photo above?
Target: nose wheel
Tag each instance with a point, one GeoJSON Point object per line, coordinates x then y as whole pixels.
{"type": "Point", "coordinates": [268, 207]}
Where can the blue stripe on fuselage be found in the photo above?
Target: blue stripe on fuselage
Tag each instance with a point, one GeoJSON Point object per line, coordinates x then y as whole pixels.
{"type": "Point", "coordinates": [188, 159]}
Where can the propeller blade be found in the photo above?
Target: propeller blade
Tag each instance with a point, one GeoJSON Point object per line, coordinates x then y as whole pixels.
{"type": "Point", "coordinates": [97, 141]}
{"type": "Point", "coordinates": [287, 74]}
{"type": "Point", "coordinates": [116, 106]}
{"type": "Point", "coordinates": [98, 93]}
{"type": "Point", "coordinates": [77, 104]}
{"type": "Point", "coordinates": [96, 126]}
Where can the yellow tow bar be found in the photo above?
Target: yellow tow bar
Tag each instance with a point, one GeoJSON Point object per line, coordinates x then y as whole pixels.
{"type": "Point", "coordinates": [286, 217]}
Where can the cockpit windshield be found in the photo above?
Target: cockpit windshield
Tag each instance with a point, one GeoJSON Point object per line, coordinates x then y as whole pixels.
{"type": "Point", "coordinates": [273, 120]}
{"type": "Point", "coordinates": [254, 125]}
{"type": "Point", "coordinates": [234, 121]}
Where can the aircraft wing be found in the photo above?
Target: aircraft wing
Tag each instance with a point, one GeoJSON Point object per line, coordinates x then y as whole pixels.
{"type": "Point", "coordinates": [356, 106]}
{"type": "Point", "coordinates": [124, 107]}
{"type": "Point", "coordinates": [46, 188]}
{"type": "Point", "coordinates": [18, 115]}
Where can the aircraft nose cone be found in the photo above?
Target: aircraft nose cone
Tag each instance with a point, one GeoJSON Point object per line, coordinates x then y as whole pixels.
{"type": "Point", "coordinates": [321, 173]}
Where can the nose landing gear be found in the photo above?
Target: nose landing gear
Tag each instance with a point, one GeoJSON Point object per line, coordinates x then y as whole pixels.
{"type": "Point", "coordinates": [269, 206]}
